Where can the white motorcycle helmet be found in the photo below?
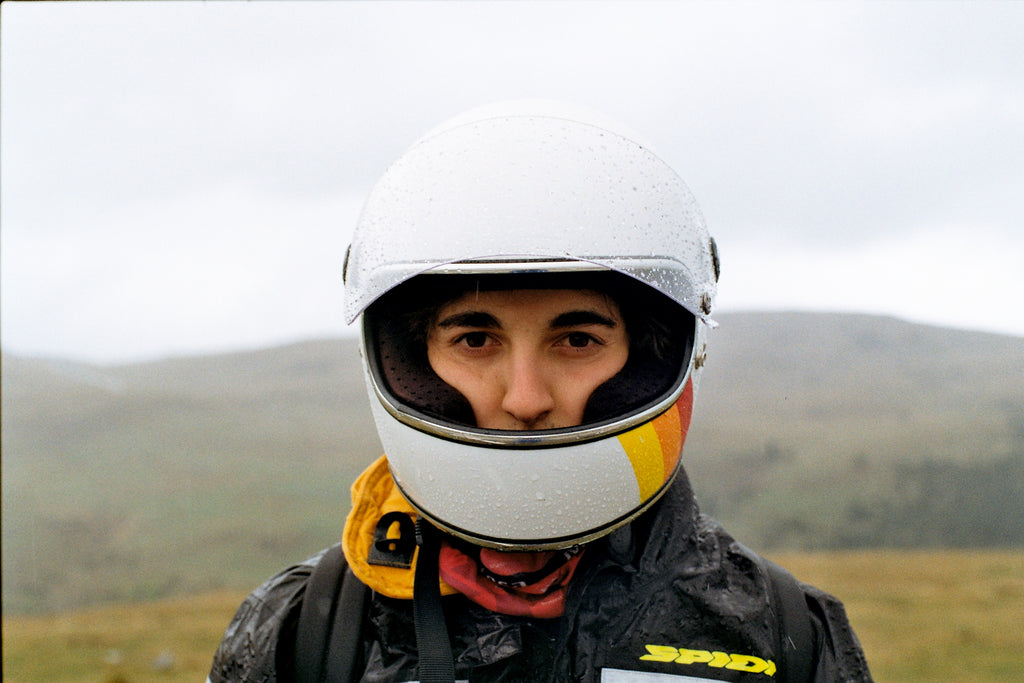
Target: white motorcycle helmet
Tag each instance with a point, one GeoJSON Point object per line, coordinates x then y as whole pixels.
{"type": "Point", "coordinates": [526, 195]}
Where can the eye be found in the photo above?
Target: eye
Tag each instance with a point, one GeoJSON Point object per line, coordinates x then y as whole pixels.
{"type": "Point", "coordinates": [474, 340]}
{"type": "Point", "coordinates": [579, 339]}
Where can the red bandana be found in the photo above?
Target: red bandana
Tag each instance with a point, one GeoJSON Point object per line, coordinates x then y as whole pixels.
{"type": "Point", "coordinates": [521, 584]}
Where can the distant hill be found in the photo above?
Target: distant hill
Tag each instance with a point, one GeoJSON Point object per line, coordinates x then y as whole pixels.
{"type": "Point", "coordinates": [812, 430]}
{"type": "Point", "coordinates": [833, 430]}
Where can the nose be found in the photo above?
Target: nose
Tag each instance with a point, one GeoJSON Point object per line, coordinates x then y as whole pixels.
{"type": "Point", "coordinates": [528, 398]}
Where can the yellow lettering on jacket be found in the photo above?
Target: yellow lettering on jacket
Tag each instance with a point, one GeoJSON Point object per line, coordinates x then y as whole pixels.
{"type": "Point", "coordinates": [694, 657]}
{"type": "Point", "coordinates": [660, 653]}
{"type": "Point", "coordinates": [718, 660]}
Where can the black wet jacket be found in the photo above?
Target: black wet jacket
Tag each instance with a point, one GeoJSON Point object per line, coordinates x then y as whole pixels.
{"type": "Point", "coordinates": [672, 593]}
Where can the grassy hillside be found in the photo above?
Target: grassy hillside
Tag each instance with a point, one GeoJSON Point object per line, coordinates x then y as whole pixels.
{"type": "Point", "coordinates": [144, 481]}
{"type": "Point", "coordinates": [857, 431]}
{"type": "Point", "coordinates": [921, 616]}
{"type": "Point", "coordinates": [149, 480]}
{"type": "Point", "coordinates": [809, 384]}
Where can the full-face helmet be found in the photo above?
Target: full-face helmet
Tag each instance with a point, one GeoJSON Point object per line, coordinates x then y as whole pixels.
{"type": "Point", "coordinates": [532, 195]}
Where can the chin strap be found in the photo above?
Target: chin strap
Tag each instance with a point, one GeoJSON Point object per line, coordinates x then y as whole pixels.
{"type": "Point", "coordinates": [436, 663]}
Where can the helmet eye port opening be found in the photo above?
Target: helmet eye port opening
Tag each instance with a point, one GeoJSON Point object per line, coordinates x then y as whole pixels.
{"type": "Point", "coordinates": [395, 329]}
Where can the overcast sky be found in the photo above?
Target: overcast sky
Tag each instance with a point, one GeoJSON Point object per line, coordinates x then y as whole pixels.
{"type": "Point", "coordinates": [184, 177]}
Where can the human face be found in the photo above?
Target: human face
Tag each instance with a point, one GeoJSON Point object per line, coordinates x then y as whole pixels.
{"type": "Point", "coordinates": [528, 358]}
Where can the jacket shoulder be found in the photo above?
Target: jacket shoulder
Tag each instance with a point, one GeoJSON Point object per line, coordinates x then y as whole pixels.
{"type": "Point", "coordinates": [262, 631]}
{"type": "Point", "coordinates": [841, 657]}
{"type": "Point", "coordinates": [838, 655]}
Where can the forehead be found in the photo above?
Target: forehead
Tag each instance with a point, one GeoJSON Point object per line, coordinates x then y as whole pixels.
{"type": "Point", "coordinates": [537, 301]}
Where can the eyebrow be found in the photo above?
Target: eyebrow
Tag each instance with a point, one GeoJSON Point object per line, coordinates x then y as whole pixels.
{"type": "Point", "coordinates": [469, 319]}
{"type": "Point", "coordinates": [580, 318]}
{"type": "Point", "coordinates": [481, 319]}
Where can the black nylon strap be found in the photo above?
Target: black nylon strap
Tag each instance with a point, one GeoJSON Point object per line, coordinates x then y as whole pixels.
{"type": "Point", "coordinates": [435, 650]}
{"type": "Point", "coordinates": [330, 622]}
{"type": "Point", "coordinates": [797, 649]}
{"type": "Point", "coordinates": [345, 636]}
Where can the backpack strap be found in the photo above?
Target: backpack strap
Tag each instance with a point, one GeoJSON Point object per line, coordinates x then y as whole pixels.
{"type": "Point", "coordinates": [330, 621]}
{"type": "Point", "coordinates": [436, 663]}
{"type": "Point", "coordinates": [797, 648]}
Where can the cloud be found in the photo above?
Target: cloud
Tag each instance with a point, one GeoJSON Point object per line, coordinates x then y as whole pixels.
{"type": "Point", "coordinates": [952, 276]}
{"type": "Point", "coordinates": [185, 175]}
{"type": "Point", "coordinates": [214, 272]}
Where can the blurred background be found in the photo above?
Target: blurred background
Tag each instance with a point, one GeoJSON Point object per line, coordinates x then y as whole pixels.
{"type": "Point", "coordinates": [182, 406]}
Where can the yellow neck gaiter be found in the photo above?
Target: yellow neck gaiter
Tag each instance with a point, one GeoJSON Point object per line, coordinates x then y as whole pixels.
{"type": "Point", "coordinates": [374, 495]}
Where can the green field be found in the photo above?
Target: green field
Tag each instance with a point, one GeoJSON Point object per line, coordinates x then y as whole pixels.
{"type": "Point", "coordinates": [921, 616]}
{"type": "Point", "coordinates": [928, 615]}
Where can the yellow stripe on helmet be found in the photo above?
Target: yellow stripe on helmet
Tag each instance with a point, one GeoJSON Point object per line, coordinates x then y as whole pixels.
{"type": "Point", "coordinates": [643, 448]}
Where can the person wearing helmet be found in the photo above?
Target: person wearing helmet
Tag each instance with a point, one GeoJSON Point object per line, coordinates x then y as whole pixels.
{"type": "Point", "coordinates": [535, 287]}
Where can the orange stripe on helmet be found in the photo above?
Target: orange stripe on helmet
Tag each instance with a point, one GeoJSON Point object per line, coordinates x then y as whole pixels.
{"type": "Point", "coordinates": [672, 427]}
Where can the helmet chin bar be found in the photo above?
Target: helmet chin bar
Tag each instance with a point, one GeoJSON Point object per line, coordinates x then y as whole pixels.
{"type": "Point", "coordinates": [535, 545]}
{"type": "Point", "coordinates": [519, 499]}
